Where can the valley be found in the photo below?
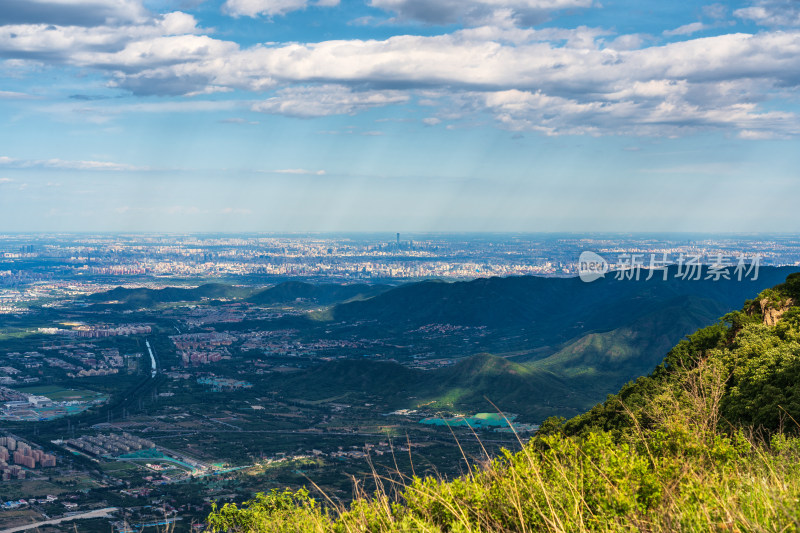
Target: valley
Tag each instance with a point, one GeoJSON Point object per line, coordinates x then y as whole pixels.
{"type": "Point", "coordinates": [237, 389]}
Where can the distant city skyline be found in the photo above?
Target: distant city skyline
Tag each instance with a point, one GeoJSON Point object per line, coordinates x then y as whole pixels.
{"type": "Point", "coordinates": [399, 116]}
{"type": "Point", "coordinates": [156, 258]}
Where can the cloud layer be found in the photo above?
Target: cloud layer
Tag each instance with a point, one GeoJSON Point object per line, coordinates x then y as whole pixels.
{"type": "Point", "coordinates": [61, 164]}
{"type": "Point", "coordinates": [555, 81]}
{"type": "Point", "coordinates": [72, 12]}
{"type": "Point", "coordinates": [254, 8]}
{"type": "Point", "coordinates": [476, 12]}
{"type": "Point", "coordinates": [772, 13]}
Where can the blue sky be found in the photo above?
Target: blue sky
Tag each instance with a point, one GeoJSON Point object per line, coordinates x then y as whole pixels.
{"type": "Point", "coordinates": [399, 115]}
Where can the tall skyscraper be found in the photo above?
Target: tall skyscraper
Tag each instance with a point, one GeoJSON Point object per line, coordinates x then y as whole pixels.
{"type": "Point", "coordinates": [398, 239]}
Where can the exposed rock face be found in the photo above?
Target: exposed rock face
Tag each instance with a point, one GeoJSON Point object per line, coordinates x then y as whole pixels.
{"type": "Point", "coordinates": [773, 314]}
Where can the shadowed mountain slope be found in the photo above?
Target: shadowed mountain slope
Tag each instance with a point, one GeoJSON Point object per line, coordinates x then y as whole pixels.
{"type": "Point", "coordinates": [144, 297]}
{"type": "Point", "coordinates": [291, 291]}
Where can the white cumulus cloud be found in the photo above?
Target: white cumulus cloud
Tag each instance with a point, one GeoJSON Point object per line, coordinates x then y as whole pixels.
{"type": "Point", "coordinates": [324, 100]}
{"type": "Point", "coordinates": [13, 95]}
{"type": "Point", "coordinates": [772, 13]}
{"type": "Point", "coordinates": [63, 164]}
{"type": "Point", "coordinates": [299, 171]}
{"type": "Point", "coordinates": [73, 12]}
{"type": "Point", "coordinates": [254, 8]}
{"type": "Point", "coordinates": [686, 29]}
{"type": "Point", "coordinates": [476, 12]}
{"type": "Point", "coordinates": [93, 46]}
{"type": "Point", "coordinates": [580, 80]}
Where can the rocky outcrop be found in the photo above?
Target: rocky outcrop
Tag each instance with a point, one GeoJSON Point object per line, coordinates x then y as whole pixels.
{"type": "Point", "coordinates": [773, 313]}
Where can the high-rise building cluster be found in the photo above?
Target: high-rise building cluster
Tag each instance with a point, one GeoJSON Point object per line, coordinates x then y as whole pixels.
{"type": "Point", "coordinates": [23, 455]}
{"type": "Point", "coordinates": [100, 332]}
{"type": "Point", "coordinates": [112, 444]}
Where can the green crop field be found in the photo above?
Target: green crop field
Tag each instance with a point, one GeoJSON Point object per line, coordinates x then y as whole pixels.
{"type": "Point", "coordinates": [57, 393]}
{"type": "Point", "coordinates": [28, 488]}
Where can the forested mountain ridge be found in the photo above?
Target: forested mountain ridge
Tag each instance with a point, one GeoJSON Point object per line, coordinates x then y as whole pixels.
{"type": "Point", "coordinates": [755, 351]}
{"type": "Point", "coordinates": [706, 442]}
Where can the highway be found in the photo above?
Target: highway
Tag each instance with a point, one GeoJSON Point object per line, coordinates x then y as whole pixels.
{"type": "Point", "coordinates": [129, 397]}
{"type": "Point", "coordinates": [153, 366]}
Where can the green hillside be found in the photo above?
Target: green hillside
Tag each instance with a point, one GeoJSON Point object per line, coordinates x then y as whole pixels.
{"type": "Point", "coordinates": [464, 386]}
{"type": "Point", "coordinates": [758, 361]}
{"type": "Point", "coordinates": [283, 293]}
{"type": "Point", "coordinates": [541, 312]}
{"type": "Point", "coordinates": [706, 442]}
{"type": "Point", "coordinates": [635, 348]}
{"type": "Point", "coordinates": [292, 291]}
{"type": "Point", "coordinates": [470, 384]}
{"type": "Point", "coordinates": [611, 333]}
{"type": "Point", "coordinates": [144, 297]}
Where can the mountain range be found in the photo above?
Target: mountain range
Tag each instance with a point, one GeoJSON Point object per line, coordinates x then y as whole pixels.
{"type": "Point", "coordinates": [707, 441]}
{"type": "Point", "coordinates": [552, 346]}
{"type": "Point", "coordinates": [535, 346]}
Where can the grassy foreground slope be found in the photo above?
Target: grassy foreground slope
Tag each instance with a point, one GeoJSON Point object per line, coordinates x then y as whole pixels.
{"type": "Point", "coordinates": [705, 443]}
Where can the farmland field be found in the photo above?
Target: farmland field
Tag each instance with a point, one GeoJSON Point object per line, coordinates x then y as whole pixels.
{"type": "Point", "coordinates": [62, 394]}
